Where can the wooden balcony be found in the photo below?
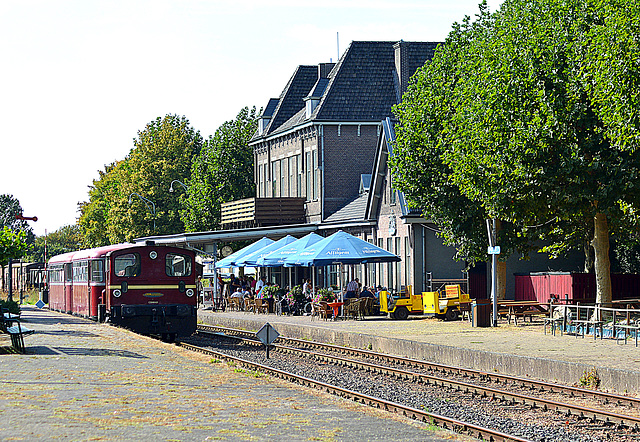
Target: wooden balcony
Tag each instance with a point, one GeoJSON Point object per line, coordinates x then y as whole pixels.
{"type": "Point", "coordinates": [258, 212]}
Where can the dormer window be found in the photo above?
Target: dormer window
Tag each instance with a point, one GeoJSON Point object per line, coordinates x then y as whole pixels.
{"type": "Point", "coordinates": [263, 122]}
{"type": "Point", "coordinates": [310, 104]}
{"type": "Point", "coordinates": [265, 118]}
{"type": "Point", "coordinates": [313, 99]}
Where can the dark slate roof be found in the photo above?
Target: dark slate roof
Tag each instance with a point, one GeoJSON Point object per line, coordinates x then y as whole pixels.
{"type": "Point", "coordinates": [319, 88]}
{"type": "Point", "coordinates": [352, 211]}
{"type": "Point", "coordinates": [268, 111]}
{"type": "Point", "coordinates": [362, 86]}
{"type": "Point", "coordinates": [292, 97]}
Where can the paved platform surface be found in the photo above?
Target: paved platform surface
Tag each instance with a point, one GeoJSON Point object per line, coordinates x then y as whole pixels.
{"type": "Point", "coordinates": [521, 349]}
{"type": "Point", "coordinates": [86, 381]}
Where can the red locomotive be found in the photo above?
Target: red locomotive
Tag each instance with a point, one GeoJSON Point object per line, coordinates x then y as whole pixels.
{"type": "Point", "coordinates": [149, 289]}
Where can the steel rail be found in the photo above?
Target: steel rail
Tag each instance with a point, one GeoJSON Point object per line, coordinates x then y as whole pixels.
{"type": "Point", "coordinates": [496, 394]}
{"type": "Point", "coordinates": [410, 412]}
{"type": "Point", "coordinates": [542, 386]}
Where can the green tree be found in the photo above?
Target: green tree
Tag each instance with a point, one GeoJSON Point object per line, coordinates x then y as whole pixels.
{"type": "Point", "coordinates": [131, 197]}
{"type": "Point", "coordinates": [95, 214]}
{"type": "Point", "coordinates": [520, 126]}
{"type": "Point", "coordinates": [222, 172]}
{"type": "Point", "coordinates": [9, 208]}
{"type": "Point", "coordinates": [65, 239]}
{"type": "Point", "coordinates": [13, 245]}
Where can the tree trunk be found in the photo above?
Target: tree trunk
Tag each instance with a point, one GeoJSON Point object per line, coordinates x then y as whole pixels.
{"type": "Point", "coordinates": [602, 265]}
{"type": "Point", "coordinates": [2, 280]}
{"type": "Point", "coordinates": [588, 257]}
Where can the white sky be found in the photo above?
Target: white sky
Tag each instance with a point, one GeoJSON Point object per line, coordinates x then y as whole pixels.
{"type": "Point", "coordinates": [79, 79]}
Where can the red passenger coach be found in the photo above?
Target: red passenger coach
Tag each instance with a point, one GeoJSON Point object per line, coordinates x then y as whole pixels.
{"type": "Point", "coordinates": [147, 288]}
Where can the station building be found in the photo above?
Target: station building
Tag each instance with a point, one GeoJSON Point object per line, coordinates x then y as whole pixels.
{"type": "Point", "coordinates": [320, 158]}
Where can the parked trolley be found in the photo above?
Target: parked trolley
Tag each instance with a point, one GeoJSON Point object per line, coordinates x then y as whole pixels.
{"type": "Point", "coordinates": [149, 289]}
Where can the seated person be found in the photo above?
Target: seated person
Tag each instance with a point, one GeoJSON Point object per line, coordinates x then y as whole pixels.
{"type": "Point", "coordinates": [366, 293]}
{"type": "Point", "coordinates": [238, 294]}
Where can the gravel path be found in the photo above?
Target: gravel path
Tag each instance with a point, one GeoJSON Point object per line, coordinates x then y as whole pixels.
{"type": "Point", "coordinates": [85, 381]}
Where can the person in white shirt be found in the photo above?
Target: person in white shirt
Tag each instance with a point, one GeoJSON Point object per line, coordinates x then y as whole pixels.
{"type": "Point", "coordinates": [259, 285]}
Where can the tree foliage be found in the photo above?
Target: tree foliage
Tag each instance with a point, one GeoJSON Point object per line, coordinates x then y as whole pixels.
{"type": "Point", "coordinates": [65, 239]}
{"type": "Point", "coordinates": [514, 115]}
{"type": "Point", "coordinates": [9, 208]}
{"type": "Point", "coordinates": [131, 197]}
{"type": "Point", "coordinates": [222, 172]}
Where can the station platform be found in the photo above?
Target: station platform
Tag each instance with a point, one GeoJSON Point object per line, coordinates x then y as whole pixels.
{"type": "Point", "coordinates": [80, 380]}
{"type": "Point", "coordinates": [521, 350]}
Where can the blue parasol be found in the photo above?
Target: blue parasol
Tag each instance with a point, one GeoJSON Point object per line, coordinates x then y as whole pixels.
{"type": "Point", "coordinates": [231, 260]}
{"type": "Point", "coordinates": [252, 258]}
{"type": "Point", "coordinates": [340, 248]}
{"type": "Point", "coordinates": [276, 258]}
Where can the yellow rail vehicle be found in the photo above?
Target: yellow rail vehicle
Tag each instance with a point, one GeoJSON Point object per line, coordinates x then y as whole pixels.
{"type": "Point", "coordinates": [403, 306]}
{"type": "Point", "coordinates": [447, 304]}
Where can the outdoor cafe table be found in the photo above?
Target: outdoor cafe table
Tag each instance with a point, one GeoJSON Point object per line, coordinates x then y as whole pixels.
{"type": "Point", "coordinates": [513, 309]}
{"type": "Point", "coordinates": [336, 308]}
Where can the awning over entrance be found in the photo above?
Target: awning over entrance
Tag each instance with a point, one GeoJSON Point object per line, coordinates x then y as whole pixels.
{"type": "Point", "coordinates": [202, 239]}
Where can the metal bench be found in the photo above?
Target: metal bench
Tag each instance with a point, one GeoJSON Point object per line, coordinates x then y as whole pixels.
{"type": "Point", "coordinates": [17, 333]}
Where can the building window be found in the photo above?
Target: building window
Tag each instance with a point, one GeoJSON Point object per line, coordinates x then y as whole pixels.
{"type": "Point", "coordinates": [292, 176]}
{"type": "Point", "coordinates": [316, 175]}
{"type": "Point", "coordinates": [299, 175]}
{"type": "Point", "coordinates": [260, 180]}
{"type": "Point", "coordinates": [308, 175]}
{"type": "Point", "coordinates": [283, 177]}
{"type": "Point", "coordinates": [275, 179]}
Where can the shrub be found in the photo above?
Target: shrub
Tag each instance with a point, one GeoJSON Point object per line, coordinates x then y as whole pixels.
{"type": "Point", "coordinates": [11, 306]}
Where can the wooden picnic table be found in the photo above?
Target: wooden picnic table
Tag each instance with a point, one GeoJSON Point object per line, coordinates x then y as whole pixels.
{"type": "Point", "coordinates": [514, 309]}
{"type": "Point", "coordinates": [633, 302]}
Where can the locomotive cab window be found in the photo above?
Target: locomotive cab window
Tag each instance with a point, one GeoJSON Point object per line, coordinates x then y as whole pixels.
{"type": "Point", "coordinates": [178, 265]}
{"type": "Point", "coordinates": [127, 265]}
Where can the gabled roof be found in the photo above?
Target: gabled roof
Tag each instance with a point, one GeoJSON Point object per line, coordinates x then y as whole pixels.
{"type": "Point", "coordinates": [292, 98]}
{"type": "Point", "coordinates": [386, 145]}
{"type": "Point", "coordinates": [362, 87]}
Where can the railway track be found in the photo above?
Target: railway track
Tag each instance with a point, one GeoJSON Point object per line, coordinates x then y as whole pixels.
{"type": "Point", "coordinates": [601, 419]}
{"type": "Point", "coordinates": [541, 387]}
{"type": "Point", "coordinates": [413, 413]}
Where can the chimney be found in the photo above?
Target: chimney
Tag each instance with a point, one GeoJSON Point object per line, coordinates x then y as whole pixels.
{"type": "Point", "coordinates": [324, 69]}
{"type": "Point", "coordinates": [402, 65]}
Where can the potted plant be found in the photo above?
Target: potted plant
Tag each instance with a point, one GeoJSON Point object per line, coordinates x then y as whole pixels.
{"type": "Point", "coordinates": [325, 295]}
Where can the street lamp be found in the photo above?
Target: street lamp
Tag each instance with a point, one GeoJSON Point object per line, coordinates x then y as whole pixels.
{"type": "Point", "coordinates": [152, 207]}
{"type": "Point", "coordinates": [179, 182]}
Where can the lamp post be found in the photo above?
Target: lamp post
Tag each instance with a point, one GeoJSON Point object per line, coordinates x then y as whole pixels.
{"type": "Point", "coordinates": [179, 182]}
{"type": "Point", "coordinates": [152, 207]}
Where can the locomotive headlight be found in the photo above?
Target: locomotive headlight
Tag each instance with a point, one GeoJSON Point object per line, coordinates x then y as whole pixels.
{"type": "Point", "coordinates": [117, 293]}
{"type": "Point", "coordinates": [189, 292]}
